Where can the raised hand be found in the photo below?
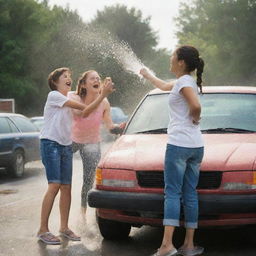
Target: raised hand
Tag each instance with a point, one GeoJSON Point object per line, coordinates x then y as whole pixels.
{"type": "Point", "coordinates": [107, 87]}
{"type": "Point", "coordinates": [145, 73]}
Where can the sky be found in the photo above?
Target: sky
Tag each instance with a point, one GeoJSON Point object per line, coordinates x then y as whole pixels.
{"type": "Point", "coordinates": [162, 13]}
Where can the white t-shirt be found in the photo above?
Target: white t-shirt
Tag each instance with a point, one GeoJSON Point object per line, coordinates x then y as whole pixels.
{"type": "Point", "coordinates": [57, 119]}
{"type": "Point", "coordinates": [181, 130]}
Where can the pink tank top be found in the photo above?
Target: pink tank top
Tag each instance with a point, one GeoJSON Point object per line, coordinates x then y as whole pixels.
{"type": "Point", "coordinates": [87, 129]}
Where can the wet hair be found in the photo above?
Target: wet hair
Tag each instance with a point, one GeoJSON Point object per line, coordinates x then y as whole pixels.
{"type": "Point", "coordinates": [82, 80]}
{"type": "Point", "coordinates": [193, 61]}
{"type": "Point", "coordinates": [54, 77]}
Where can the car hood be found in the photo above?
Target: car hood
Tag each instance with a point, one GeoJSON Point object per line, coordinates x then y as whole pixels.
{"type": "Point", "coordinates": [146, 152]}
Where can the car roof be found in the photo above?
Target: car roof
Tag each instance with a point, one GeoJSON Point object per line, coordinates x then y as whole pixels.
{"type": "Point", "coordinates": [37, 117]}
{"type": "Point", "coordinates": [217, 89]}
{"type": "Point", "coordinates": [10, 115]}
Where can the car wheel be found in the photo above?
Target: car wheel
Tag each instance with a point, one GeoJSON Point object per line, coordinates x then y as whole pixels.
{"type": "Point", "coordinates": [113, 230]}
{"type": "Point", "coordinates": [18, 164]}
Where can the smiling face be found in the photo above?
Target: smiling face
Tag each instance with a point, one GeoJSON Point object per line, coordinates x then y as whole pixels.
{"type": "Point", "coordinates": [177, 67]}
{"type": "Point", "coordinates": [64, 83]}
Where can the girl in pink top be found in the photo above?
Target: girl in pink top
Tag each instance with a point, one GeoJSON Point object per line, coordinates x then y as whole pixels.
{"type": "Point", "coordinates": [86, 130]}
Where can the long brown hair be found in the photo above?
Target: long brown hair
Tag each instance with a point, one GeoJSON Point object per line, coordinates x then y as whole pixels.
{"type": "Point", "coordinates": [82, 80]}
{"type": "Point", "coordinates": [193, 61]}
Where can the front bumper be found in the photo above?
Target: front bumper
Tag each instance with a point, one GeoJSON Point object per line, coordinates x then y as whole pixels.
{"type": "Point", "coordinates": [213, 204]}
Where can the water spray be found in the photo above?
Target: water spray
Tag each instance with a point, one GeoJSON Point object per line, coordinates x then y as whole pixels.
{"type": "Point", "coordinates": [106, 45]}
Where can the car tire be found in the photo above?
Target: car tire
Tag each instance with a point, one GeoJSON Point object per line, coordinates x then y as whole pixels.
{"type": "Point", "coordinates": [17, 167]}
{"type": "Point", "coordinates": [113, 230]}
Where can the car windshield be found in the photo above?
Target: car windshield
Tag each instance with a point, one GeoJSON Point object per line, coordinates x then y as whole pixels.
{"type": "Point", "coordinates": [221, 112]}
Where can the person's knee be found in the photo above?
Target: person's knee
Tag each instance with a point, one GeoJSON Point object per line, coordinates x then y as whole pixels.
{"type": "Point", "coordinates": [65, 188]}
{"type": "Point", "coordinates": [53, 188]}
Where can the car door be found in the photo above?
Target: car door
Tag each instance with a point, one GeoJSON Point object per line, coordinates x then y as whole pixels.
{"type": "Point", "coordinates": [29, 137]}
{"type": "Point", "coordinates": [9, 136]}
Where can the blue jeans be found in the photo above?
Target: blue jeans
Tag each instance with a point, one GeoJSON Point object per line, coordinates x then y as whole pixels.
{"type": "Point", "coordinates": [57, 160]}
{"type": "Point", "coordinates": [181, 177]}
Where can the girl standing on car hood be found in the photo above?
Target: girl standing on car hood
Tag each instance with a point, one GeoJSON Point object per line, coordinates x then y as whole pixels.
{"type": "Point", "coordinates": [86, 129]}
{"type": "Point", "coordinates": [184, 150]}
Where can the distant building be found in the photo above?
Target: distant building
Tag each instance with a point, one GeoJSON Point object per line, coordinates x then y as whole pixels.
{"type": "Point", "coordinates": [7, 105]}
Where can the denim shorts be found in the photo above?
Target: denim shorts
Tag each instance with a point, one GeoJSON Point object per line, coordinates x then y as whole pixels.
{"type": "Point", "coordinates": [57, 160]}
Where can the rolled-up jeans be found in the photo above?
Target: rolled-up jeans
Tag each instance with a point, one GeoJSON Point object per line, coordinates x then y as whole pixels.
{"type": "Point", "coordinates": [181, 175]}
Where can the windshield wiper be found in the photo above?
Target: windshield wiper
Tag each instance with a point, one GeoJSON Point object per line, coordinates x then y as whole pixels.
{"type": "Point", "coordinates": [155, 131]}
{"type": "Point", "coordinates": [227, 130]}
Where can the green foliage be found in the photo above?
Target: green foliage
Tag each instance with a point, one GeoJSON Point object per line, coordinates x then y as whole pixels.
{"type": "Point", "coordinates": [129, 26]}
{"type": "Point", "coordinates": [36, 39]}
{"type": "Point", "coordinates": [224, 33]}
{"type": "Point", "coordinates": [121, 27]}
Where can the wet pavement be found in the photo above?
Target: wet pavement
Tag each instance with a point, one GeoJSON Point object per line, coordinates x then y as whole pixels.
{"type": "Point", "coordinates": [20, 202]}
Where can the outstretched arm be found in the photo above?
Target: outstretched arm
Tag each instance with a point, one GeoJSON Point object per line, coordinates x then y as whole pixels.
{"type": "Point", "coordinates": [164, 86]}
{"type": "Point", "coordinates": [87, 109]}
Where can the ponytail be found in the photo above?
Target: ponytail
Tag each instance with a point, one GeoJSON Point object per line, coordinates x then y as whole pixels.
{"type": "Point", "coordinates": [190, 55]}
{"type": "Point", "coordinates": [199, 72]}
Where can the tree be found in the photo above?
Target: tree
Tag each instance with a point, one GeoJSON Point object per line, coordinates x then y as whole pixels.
{"type": "Point", "coordinates": [35, 39]}
{"type": "Point", "coordinates": [223, 31]}
{"type": "Point", "coordinates": [129, 26]}
{"type": "Point", "coordinates": [127, 41]}
{"type": "Point", "coordinates": [33, 42]}
{"type": "Point", "coordinates": [18, 29]}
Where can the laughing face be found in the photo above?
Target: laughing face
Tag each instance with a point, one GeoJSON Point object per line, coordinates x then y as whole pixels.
{"type": "Point", "coordinates": [64, 83]}
{"type": "Point", "coordinates": [92, 82]}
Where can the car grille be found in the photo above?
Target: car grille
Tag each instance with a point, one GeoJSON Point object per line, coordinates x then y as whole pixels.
{"type": "Point", "coordinates": [155, 179]}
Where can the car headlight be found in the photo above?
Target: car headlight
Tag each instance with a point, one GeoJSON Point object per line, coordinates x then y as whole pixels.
{"type": "Point", "coordinates": [238, 186]}
{"type": "Point", "coordinates": [118, 183]}
{"type": "Point", "coordinates": [115, 178]}
{"type": "Point", "coordinates": [239, 180]}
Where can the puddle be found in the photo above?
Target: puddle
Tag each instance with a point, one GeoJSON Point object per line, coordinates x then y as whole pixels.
{"type": "Point", "coordinates": [8, 191]}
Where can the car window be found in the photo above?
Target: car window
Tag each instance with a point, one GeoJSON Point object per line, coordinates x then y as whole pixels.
{"type": "Point", "coordinates": [4, 125]}
{"type": "Point", "coordinates": [24, 124]}
{"type": "Point", "coordinates": [39, 123]}
{"type": "Point", "coordinates": [227, 110]}
{"type": "Point", "coordinates": [12, 125]}
{"type": "Point", "coordinates": [152, 114]}
{"type": "Point", "coordinates": [219, 110]}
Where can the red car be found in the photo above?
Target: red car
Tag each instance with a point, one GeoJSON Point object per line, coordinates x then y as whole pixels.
{"type": "Point", "coordinates": [129, 178]}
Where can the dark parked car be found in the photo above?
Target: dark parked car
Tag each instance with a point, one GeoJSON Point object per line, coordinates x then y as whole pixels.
{"type": "Point", "coordinates": [19, 143]}
{"type": "Point", "coordinates": [129, 178]}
